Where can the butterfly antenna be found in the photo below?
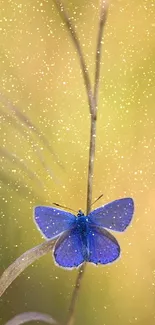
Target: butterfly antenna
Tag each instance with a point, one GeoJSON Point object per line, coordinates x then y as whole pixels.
{"type": "Point", "coordinates": [61, 206]}
{"type": "Point", "coordinates": [97, 199]}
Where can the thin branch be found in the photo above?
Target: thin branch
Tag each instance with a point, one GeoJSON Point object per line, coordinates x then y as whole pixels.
{"type": "Point", "coordinates": [63, 12]}
{"type": "Point", "coordinates": [93, 112]}
{"type": "Point", "coordinates": [22, 262]}
{"type": "Point", "coordinates": [91, 162]}
{"type": "Point", "coordinates": [70, 318]}
{"type": "Point", "coordinates": [102, 21]}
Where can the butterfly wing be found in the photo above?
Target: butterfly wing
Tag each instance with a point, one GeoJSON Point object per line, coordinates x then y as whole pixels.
{"type": "Point", "coordinates": [115, 215]}
{"type": "Point", "coordinates": [70, 250]}
{"type": "Point", "coordinates": [103, 248]}
{"type": "Point", "coordinates": [52, 222]}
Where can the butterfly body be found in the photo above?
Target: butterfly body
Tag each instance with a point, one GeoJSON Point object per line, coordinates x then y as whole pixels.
{"type": "Point", "coordinates": [82, 227]}
{"type": "Point", "coordinates": [85, 238]}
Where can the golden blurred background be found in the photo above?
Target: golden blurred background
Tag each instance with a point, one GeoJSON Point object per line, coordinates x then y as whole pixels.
{"type": "Point", "coordinates": [40, 75]}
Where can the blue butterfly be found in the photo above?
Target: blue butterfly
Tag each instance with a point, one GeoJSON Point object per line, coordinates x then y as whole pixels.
{"type": "Point", "coordinates": [84, 238]}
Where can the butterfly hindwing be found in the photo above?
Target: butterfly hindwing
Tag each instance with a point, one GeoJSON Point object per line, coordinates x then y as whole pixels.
{"type": "Point", "coordinates": [69, 250]}
{"type": "Point", "coordinates": [52, 221]}
{"type": "Point", "coordinates": [115, 215]}
{"type": "Point", "coordinates": [103, 248]}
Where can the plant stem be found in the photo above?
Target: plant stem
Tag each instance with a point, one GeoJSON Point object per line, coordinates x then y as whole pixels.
{"type": "Point", "coordinates": [70, 319]}
{"type": "Point", "coordinates": [71, 29]}
{"type": "Point", "coordinates": [93, 102]}
{"type": "Point", "coordinates": [102, 21]}
{"type": "Point", "coordinates": [91, 161]}
{"type": "Point", "coordinates": [71, 310]}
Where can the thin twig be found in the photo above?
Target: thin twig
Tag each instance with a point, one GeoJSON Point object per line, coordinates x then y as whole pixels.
{"type": "Point", "coordinates": [93, 113]}
{"type": "Point", "coordinates": [63, 12]}
{"type": "Point", "coordinates": [22, 262]}
{"type": "Point", "coordinates": [103, 15]}
{"type": "Point", "coordinates": [70, 319]}
{"type": "Point", "coordinates": [102, 21]}
{"type": "Point", "coordinates": [71, 310]}
{"type": "Point", "coordinates": [91, 161]}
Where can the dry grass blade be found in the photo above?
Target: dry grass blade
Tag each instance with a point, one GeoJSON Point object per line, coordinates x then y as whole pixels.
{"type": "Point", "coordinates": [65, 16]}
{"type": "Point", "coordinates": [25, 120]}
{"type": "Point", "coordinates": [15, 159]}
{"type": "Point", "coordinates": [31, 316]}
{"type": "Point", "coordinates": [22, 262]}
{"type": "Point", "coordinates": [19, 187]}
{"type": "Point", "coordinates": [17, 121]}
{"type": "Point", "coordinates": [102, 21]}
{"type": "Point", "coordinates": [93, 113]}
{"type": "Point", "coordinates": [70, 316]}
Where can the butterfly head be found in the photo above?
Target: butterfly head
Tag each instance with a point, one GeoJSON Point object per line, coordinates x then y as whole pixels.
{"type": "Point", "coordinates": [80, 214]}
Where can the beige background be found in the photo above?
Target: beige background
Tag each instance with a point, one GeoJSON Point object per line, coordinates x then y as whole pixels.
{"type": "Point", "coordinates": [39, 73]}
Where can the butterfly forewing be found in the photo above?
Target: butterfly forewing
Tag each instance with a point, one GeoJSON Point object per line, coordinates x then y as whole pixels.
{"type": "Point", "coordinates": [52, 222]}
{"type": "Point", "coordinates": [115, 215]}
{"type": "Point", "coordinates": [69, 250]}
{"type": "Point", "coordinates": [103, 248]}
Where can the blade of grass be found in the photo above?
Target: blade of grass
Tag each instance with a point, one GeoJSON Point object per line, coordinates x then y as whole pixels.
{"type": "Point", "coordinates": [25, 120]}
{"type": "Point", "coordinates": [16, 123]}
{"type": "Point", "coordinates": [71, 29]}
{"type": "Point", "coordinates": [22, 262]}
{"type": "Point", "coordinates": [29, 317]}
{"type": "Point", "coordinates": [102, 21]}
{"type": "Point", "coordinates": [19, 187]}
{"type": "Point", "coordinates": [16, 160]}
